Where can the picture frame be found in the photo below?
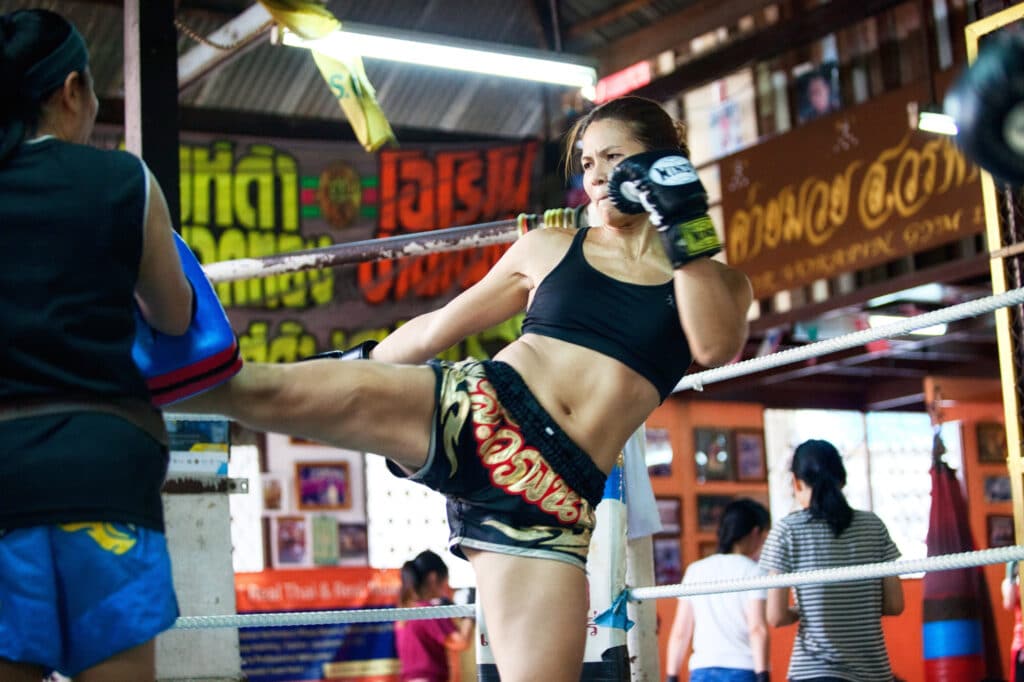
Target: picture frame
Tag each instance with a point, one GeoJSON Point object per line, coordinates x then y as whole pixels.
{"type": "Point", "coordinates": [658, 452]}
{"type": "Point", "coordinates": [709, 511]}
{"type": "Point", "coordinates": [353, 544]}
{"type": "Point", "coordinates": [275, 493]}
{"type": "Point", "coordinates": [991, 442]}
{"type": "Point", "coordinates": [324, 530]}
{"type": "Point", "coordinates": [668, 561]}
{"type": "Point", "coordinates": [669, 511]}
{"type": "Point", "coordinates": [323, 485]}
{"type": "Point", "coordinates": [818, 92]}
{"type": "Point", "coordinates": [712, 454]}
{"type": "Point", "coordinates": [997, 489]}
{"type": "Point", "coordinates": [290, 541]}
{"type": "Point", "coordinates": [751, 462]}
{"type": "Point", "coordinates": [1000, 530]}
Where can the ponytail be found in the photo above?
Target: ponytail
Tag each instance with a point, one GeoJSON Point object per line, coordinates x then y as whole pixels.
{"type": "Point", "coordinates": [411, 581]}
{"type": "Point", "coordinates": [38, 49]}
{"type": "Point", "coordinates": [415, 573]}
{"type": "Point", "coordinates": [829, 503]}
{"type": "Point", "coordinates": [818, 464]}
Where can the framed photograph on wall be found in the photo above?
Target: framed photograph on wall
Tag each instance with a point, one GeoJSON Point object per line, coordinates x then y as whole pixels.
{"type": "Point", "coordinates": [712, 454]}
{"type": "Point", "coordinates": [1000, 530]}
{"type": "Point", "coordinates": [997, 489]}
{"type": "Point", "coordinates": [291, 546]}
{"type": "Point", "coordinates": [709, 511]}
{"type": "Point", "coordinates": [669, 512]}
{"type": "Point", "coordinates": [751, 464]}
{"type": "Point", "coordinates": [353, 547]}
{"type": "Point", "coordinates": [275, 493]}
{"type": "Point", "coordinates": [323, 486]}
{"type": "Point", "coordinates": [817, 92]}
{"type": "Point", "coordinates": [991, 443]}
{"type": "Point", "coordinates": [657, 452]}
{"type": "Point", "coordinates": [668, 561]}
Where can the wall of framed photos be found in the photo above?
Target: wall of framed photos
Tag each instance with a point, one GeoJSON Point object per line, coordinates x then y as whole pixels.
{"type": "Point", "coordinates": [718, 454]}
{"type": "Point", "coordinates": [692, 490]}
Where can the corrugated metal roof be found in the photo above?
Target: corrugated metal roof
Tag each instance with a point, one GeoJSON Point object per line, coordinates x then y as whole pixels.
{"type": "Point", "coordinates": [283, 81]}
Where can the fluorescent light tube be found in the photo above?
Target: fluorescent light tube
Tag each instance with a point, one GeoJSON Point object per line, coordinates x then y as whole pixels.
{"type": "Point", "coordinates": [934, 122]}
{"type": "Point", "coordinates": [350, 43]}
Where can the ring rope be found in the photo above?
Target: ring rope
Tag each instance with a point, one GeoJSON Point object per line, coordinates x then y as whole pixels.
{"type": "Point", "coordinates": [253, 620]}
{"type": "Point", "coordinates": [698, 380]}
{"type": "Point", "coordinates": [943, 562]}
{"type": "Point", "coordinates": [387, 248]}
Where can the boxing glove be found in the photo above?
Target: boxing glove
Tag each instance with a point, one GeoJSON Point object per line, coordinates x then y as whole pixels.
{"type": "Point", "coordinates": [987, 104]}
{"type": "Point", "coordinates": [206, 355]}
{"type": "Point", "coordinates": [664, 184]}
{"type": "Point", "coordinates": [360, 352]}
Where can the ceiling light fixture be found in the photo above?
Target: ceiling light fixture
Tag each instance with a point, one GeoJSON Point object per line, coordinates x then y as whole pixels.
{"type": "Point", "coordinates": [445, 53]}
{"type": "Point", "coordinates": [933, 121]}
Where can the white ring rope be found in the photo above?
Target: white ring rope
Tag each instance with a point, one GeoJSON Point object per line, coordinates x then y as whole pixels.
{"type": "Point", "coordinates": [253, 620]}
{"type": "Point", "coordinates": [944, 562]}
{"type": "Point", "coordinates": [960, 311]}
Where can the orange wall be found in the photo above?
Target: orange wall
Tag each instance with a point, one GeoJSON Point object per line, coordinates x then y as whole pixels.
{"type": "Point", "coordinates": [680, 418]}
{"type": "Point", "coordinates": [903, 632]}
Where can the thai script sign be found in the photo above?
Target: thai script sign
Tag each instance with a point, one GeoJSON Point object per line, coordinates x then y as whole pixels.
{"type": "Point", "coordinates": [249, 197]}
{"type": "Point", "coordinates": [855, 189]}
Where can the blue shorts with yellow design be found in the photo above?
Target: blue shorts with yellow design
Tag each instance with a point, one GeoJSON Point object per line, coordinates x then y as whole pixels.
{"type": "Point", "coordinates": [515, 482]}
{"type": "Point", "coordinates": [73, 595]}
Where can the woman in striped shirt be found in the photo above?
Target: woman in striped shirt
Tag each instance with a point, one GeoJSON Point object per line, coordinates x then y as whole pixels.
{"type": "Point", "coordinates": [840, 632]}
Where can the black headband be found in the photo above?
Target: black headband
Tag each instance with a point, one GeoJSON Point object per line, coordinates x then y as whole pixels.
{"type": "Point", "coordinates": [49, 73]}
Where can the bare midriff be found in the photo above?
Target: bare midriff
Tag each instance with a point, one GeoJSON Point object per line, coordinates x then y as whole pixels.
{"type": "Point", "coordinates": [596, 400]}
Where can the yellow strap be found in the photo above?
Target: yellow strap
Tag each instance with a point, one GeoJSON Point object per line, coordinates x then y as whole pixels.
{"type": "Point", "coordinates": [346, 78]}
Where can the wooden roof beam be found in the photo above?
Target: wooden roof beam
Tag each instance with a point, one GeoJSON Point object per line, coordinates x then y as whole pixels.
{"type": "Point", "coordinates": [801, 29]}
{"type": "Point", "coordinates": [606, 17]}
{"type": "Point", "coordinates": [670, 32]}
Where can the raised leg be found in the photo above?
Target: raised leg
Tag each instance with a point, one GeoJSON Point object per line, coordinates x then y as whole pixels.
{"type": "Point", "coordinates": [536, 612]}
{"type": "Point", "coordinates": [358, 405]}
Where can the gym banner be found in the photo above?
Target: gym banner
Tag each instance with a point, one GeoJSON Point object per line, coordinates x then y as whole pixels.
{"type": "Point", "coordinates": [353, 652]}
{"type": "Point", "coordinates": [845, 192]}
{"type": "Point", "coordinates": [247, 197]}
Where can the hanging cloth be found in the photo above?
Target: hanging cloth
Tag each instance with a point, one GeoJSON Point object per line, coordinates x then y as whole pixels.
{"type": "Point", "coordinates": [346, 78]}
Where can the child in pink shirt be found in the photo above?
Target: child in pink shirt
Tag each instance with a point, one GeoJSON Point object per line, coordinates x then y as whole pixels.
{"type": "Point", "coordinates": [425, 646]}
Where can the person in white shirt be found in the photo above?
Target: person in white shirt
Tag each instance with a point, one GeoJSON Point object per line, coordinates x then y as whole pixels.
{"type": "Point", "coordinates": [728, 630]}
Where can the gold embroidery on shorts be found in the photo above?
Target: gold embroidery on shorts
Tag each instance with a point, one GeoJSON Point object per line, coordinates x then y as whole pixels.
{"type": "Point", "coordinates": [548, 537]}
{"type": "Point", "coordinates": [454, 405]}
{"type": "Point", "coordinates": [106, 535]}
{"type": "Point", "coordinates": [515, 466]}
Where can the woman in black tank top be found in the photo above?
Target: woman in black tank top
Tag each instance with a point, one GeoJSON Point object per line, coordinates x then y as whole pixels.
{"type": "Point", "coordinates": [84, 232]}
{"type": "Point", "coordinates": [528, 557]}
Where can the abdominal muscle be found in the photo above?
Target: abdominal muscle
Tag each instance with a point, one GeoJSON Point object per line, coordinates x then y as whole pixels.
{"type": "Point", "coordinates": [598, 401]}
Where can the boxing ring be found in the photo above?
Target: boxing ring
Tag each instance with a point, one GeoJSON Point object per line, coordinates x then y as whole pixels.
{"type": "Point", "coordinates": [620, 597]}
{"type": "Point", "coordinates": [626, 594]}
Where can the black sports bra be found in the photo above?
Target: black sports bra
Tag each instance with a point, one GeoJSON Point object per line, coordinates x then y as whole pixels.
{"type": "Point", "coordinates": [637, 324]}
